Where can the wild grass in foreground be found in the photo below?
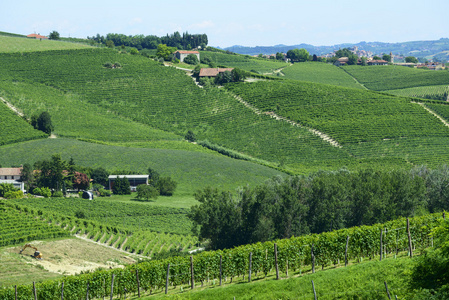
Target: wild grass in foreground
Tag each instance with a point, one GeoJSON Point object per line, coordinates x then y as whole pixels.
{"type": "Point", "coordinates": [359, 281]}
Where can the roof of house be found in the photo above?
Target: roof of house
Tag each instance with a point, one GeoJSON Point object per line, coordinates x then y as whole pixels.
{"type": "Point", "coordinates": [128, 176]}
{"type": "Point", "coordinates": [378, 61]}
{"type": "Point", "coordinates": [10, 171]}
{"type": "Point", "coordinates": [187, 52]}
{"type": "Point", "coordinates": [343, 59]}
{"type": "Point", "coordinates": [213, 72]}
{"type": "Point", "coordinates": [37, 36]}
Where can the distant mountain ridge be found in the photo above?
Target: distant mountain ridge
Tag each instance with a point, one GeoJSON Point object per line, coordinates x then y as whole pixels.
{"type": "Point", "coordinates": [415, 48]}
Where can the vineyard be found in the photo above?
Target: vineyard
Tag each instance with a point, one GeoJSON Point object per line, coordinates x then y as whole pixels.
{"type": "Point", "coordinates": [15, 129]}
{"type": "Point", "coordinates": [383, 78]}
{"type": "Point", "coordinates": [295, 255]}
{"type": "Point", "coordinates": [244, 62]}
{"type": "Point", "coordinates": [158, 97]}
{"type": "Point", "coordinates": [347, 115]}
{"type": "Point", "coordinates": [320, 73]}
{"type": "Point", "coordinates": [436, 92]}
{"type": "Point", "coordinates": [17, 227]}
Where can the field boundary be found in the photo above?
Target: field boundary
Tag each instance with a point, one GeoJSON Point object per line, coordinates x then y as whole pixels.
{"type": "Point", "coordinates": [316, 132]}
{"type": "Point", "coordinates": [12, 107]}
{"type": "Point", "coordinates": [433, 113]}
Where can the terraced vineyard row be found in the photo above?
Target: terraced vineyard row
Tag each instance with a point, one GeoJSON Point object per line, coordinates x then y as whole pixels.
{"type": "Point", "coordinates": [383, 78]}
{"type": "Point", "coordinates": [19, 227]}
{"type": "Point", "coordinates": [347, 115]}
{"type": "Point", "coordinates": [437, 92]}
{"type": "Point", "coordinates": [14, 129]}
{"type": "Point", "coordinates": [132, 216]}
{"type": "Point", "coordinates": [164, 98]}
{"type": "Point", "coordinates": [294, 254]}
{"type": "Point", "coordinates": [320, 73]}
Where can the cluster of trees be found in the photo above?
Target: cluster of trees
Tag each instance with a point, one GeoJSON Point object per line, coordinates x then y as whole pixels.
{"type": "Point", "coordinates": [236, 75]}
{"type": "Point", "coordinates": [185, 41]}
{"type": "Point", "coordinates": [42, 122]}
{"type": "Point", "coordinates": [298, 55]}
{"type": "Point", "coordinates": [320, 202]}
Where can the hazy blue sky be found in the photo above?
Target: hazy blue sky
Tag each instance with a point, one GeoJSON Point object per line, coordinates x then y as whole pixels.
{"type": "Point", "coordinates": [231, 22]}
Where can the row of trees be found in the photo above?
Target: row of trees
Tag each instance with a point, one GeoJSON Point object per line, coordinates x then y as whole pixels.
{"type": "Point", "coordinates": [186, 41]}
{"type": "Point", "coordinates": [323, 201]}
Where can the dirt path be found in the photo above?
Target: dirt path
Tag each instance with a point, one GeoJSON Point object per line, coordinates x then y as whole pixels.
{"type": "Point", "coordinates": [12, 107]}
{"type": "Point", "coordinates": [433, 113]}
{"type": "Point", "coordinates": [318, 133]}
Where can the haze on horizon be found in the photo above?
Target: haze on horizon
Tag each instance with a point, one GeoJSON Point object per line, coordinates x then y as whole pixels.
{"type": "Point", "coordinates": [229, 23]}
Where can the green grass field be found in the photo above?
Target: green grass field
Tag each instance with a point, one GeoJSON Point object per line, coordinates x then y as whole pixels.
{"type": "Point", "coordinates": [359, 281]}
{"type": "Point", "coordinates": [320, 73]}
{"type": "Point", "coordinates": [244, 62]}
{"type": "Point", "coordinates": [9, 44]}
{"type": "Point", "coordinates": [191, 169]}
{"type": "Point", "coordinates": [383, 78]}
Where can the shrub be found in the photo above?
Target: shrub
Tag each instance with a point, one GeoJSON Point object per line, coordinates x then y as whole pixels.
{"type": "Point", "coordinates": [191, 59]}
{"type": "Point", "coordinates": [104, 193]}
{"type": "Point", "coordinates": [14, 195]}
{"type": "Point", "coordinates": [44, 191]}
{"type": "Point", "coordinates": [166, 186]}
{"type": "Point", "coordinates": [57, 194]}
{"type": "Point", "coordinates": [108, 65]}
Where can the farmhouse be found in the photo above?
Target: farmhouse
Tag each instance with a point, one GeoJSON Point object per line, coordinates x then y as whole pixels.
{"type": "Point", "coordinates": [12, 176]}
{"type": "Point", "coordinates": [213, 72]}
{"type": "Point", "coordinates": [37, 36]}
{"type": "Point", "coordinates": [341, 61]}
{"type": "Point", "coordinates": [180, 54]}
{"type": "Point", "coordinates": [134, 180]}
{"type": "Point", "coordinates": [377, 62]}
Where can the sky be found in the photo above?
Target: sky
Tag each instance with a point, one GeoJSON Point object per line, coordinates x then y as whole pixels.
{"type": "Point", "coordinates": [231, 22]}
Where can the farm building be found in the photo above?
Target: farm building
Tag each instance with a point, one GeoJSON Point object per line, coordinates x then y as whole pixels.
{"type": "Point", "coordinates": [180, 54]}
{"type": "Point", "coordinates": [12, 176]}
{"type": "Point", "coordinates": [341, 61]}
{"type": "Point", "coordinates": [37, 36]}
{"type": "Point", "coordinates": [377, 62]}
{"type": "Point", "coordinates": [213, 72]}
{"type": "Point", "coordinates": [134, 180]}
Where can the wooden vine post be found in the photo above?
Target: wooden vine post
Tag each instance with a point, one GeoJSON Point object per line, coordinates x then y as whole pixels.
{"type": "Point", "coordinates": [276, 260]}
{"type": "Point", "coordinates": [381, 246]}
{"type": "Point", "coordinates": [388, 292]}
{"type": "Point", "coordinates": [346, 251]}
{"type": "Point", "coordinates": [15, 291]}
{"type": "Point", "coordinates": [87, 291]}
{"type": "Point", "coordinates": [62, 291]}
{"type": "Point", "coordinates": [166, 280]}
{"type": "Point", "coordinates": [112, 285]}
{"type": "Point", "coordinates": [221, 273]}
{"type": "Point", "coordinates": [34, 291]}
{"type": "Point", "coordinates": [249, 266]}
{"type": "Point", "coordinates": [192, 278]}
{"type": "Point", "coordinates": [409, 238]}
{"type": "Point", "coordinates": [313, 259]}
{"type": "Point", "coordinates": [314, 292]}
{"type": "Point", "coordinates": [138, 282]}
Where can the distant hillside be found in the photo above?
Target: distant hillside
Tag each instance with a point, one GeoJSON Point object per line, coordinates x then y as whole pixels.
{"type": "Point", "coordinates": [415, 48]}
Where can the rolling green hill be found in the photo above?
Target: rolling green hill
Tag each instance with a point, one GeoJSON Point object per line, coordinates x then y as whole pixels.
{"type": "Point", "coordinates": [320, 73]}
{"type": "Point", "coordinates": [11, 44]}
{"type": "Point", "coordinates": [437, 92]}
{"type": "Point", "coordinates": [383, 78]}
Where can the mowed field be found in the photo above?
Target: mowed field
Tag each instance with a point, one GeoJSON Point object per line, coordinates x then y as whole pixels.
{"type": "Point", "coordinates": [11, 44]}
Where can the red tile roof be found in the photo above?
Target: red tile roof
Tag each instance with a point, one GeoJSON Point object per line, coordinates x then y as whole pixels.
{"type": "Point", "coordinates": [10, 171]}
{"type": "Point", "coordinates": [37, 36]}
{"type": "Point", "coordinates": [187, 52]}
{"type": "Point", "coordinates": [213, 72]}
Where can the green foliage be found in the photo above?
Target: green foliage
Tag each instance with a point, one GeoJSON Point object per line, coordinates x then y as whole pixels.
{"type": "Point", "coordinates": [190, 136]}
{"type": "Point", "coordinates": [164, 52]}
{"type": "Point", "coordinates": [147, 192]}
{"type": "Point", "coordinates": [104, 193]}
{"type": "Point", "coordinates": [298, 55]}
{"type": "Point", "coordinates": [51, 173]}
{"type": "Point", "coordinates": [6, 188]}
{"type": "Point", "coordinates": [43, 191]}
{"type": "Point", "coordinates": [100, 176]}
{"type": "Point", "coordinates": [134, 51]}
{"type": "Point", "coordinates": [57, 194]}
{"type": "Point", "coordinates": [347, 53]}
{"type": "Point", "coordinates": [42, 122]}
{"type": "Point", "coordinates": [411, 59]}
{"type": "Point", "coordinates": [13, 195]}
{"type": "Point", "coordinates": [14, 128]}
{"type": "Point", "coordinates": [435, 92]}
{"type": "Point", "coordinates": [121, 186]}
{"type": "Point", "coordinates": [54, 35]}
{"type": "Point", "coordinates": [191, 59]}
{"type": "Point", "coordinates": [166, 186]}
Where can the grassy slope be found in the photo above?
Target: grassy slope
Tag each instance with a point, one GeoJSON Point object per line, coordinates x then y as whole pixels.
{"type": "Point", "coordinates": [382, 78]}
{"type": "Point", "coordinates": [192, 170]}
{"type": "Point", "coordinates": [359, 281]}
{"type": "Point", "coordinates": [14, 129]}
{"type": "Point", "coordinates": [157, 96]}
{"type": "Point", "coordinates": [320, 73]}
{"type": "Point", "coordinates": [244, 62]}
{"type": "Point", "coordinates": [369, 125]}
{"type": "Point", "coordinates": [14, 44]}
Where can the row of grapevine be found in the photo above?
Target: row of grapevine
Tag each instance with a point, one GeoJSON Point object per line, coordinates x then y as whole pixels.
{"type": "Point", "coordinates": [383, 78]}
{"type": "Point", "coordinates": [436, 92]}
{"type": "Point", "coordinates": [329, 248]}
